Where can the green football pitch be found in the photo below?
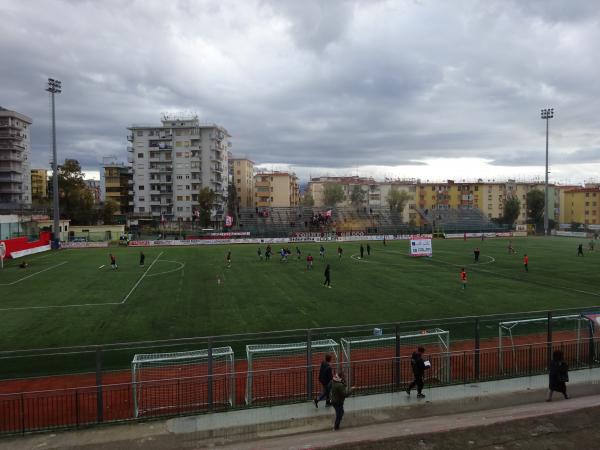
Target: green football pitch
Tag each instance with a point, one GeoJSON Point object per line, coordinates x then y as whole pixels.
{"type": "Point", "coordinates": [73, 297]}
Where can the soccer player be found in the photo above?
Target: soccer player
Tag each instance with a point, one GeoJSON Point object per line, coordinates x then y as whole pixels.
{"type": "Point", "coordinates": [283, 254]}
{"type": "Point", "coordinates": [113, 261]}
{"type": "Point", "coordinates": [142, 259]}
{"type": "Point", "coordinates": [463, 278]}
{"type": "Point", "coordinates": [309, 262]}
{"type": "Point", "coordinates": [384, 243]}
{"type": "Point", "coordinates": [591, 246]}
{"type": "Point", "coordinates": [362, 251]}
{"type": "Point", "coordinates": [298, 252]}
{"type": "Point", "coordinates": [340, 252]}
{"type": "Point", "coordinates": [327, 276]}
{"type": "Point", "coordinates": [228, 260]}
{"type": "Point", "coordinates": [526, 262]}
{"type": "Point", "coordinates": [476, 253]}
{"type": "Point", "coordinates": [259, 253]}
{"type": "Point", "coordinates": [268, 253]}
{"type": "Point", "coordinates": [368, 249]}
{"type": "Point", "coordinates": [511, 250]}
{"type": "Point", "coordinates": [24, 265]}
{"type": "Point", "coordinates": [322, 251]}
{"type": "Point", "coordinates": [580, 250]}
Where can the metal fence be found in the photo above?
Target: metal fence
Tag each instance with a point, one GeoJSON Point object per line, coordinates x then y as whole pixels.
{"type": "Point", "coordinates": [94, 384]}
{"type": "Point", "coordinates": [82, 406]}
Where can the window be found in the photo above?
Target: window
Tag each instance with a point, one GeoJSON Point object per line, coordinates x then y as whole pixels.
{"type": "Point", "coordinates": [239, 172]}
{"type": "Point", "coordinates": [141, 199]}
{"type": "Point", "coordinates": [141, 187]}
{"type": "Point", "coordinates": [180, 177]}
{"type": "Point", "coordinates": [141, 209]}
{"type": "Point", "coordinates": [187, 198]}
{"type": "Point", "coordinates": [140, 133]}
{"type": "Point", "coordinates": [180, 208]}
{"type": "Point", "coordinates": [180, 198]}
{"type": "Point", "coordinates": [239, 181]}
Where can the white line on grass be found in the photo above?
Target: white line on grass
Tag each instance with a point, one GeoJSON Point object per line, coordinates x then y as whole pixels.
{"type": "Point", "coordinates": [22, 308]}
{"type": "Point", "coordinates": [141, 278]}
{"type": "Point", "coordinates": [181, 266]}
{"type": "Point", "coordinates": [33, 274]}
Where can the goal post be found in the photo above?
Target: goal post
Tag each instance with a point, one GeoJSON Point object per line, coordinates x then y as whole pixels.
{"type": "Point", "coordinates": [179, 381]}
{"type": "Point", "coordinates": [519, 332]}
{"type": "Point", "coordinates": [359, 350]}
{"type": "Point", "coordinates": [271, 367]}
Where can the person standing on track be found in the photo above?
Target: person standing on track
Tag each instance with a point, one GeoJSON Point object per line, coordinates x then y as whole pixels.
{"type": "Point", "coordinates": [327, 276]}
{"type": "Point", "coordinates": [526, 262]}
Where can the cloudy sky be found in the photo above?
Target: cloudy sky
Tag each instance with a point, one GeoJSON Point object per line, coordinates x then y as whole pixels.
{"type": "Point", "coordinates": [422, 88]}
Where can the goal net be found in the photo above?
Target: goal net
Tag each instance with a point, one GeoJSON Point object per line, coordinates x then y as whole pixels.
{"type": "Point", "coordinates": [366, 359]}
{"type": "Point", "coordinates": [516, 339]}
{"type": "Point", "coordinates": [279, 371]}
{"type": "Point", "coordinates": [179, 381]}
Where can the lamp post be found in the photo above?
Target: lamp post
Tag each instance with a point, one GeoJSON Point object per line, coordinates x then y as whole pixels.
{"type": "Point", "coordinates": [546, 114]}
{"type": "Point", "coordinates": [54, 87]}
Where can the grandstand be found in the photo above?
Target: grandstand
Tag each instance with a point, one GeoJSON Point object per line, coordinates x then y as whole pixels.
{"type": "Point", "coordinates": [457, 219]}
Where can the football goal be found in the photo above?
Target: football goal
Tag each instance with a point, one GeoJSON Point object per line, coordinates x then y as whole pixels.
{"type": "Point", "coordinates": [360, 354]}
{"type": "Point", "coordinates": [278, 370]}
{"type": "Point", "coordinates": [179, 381]}
{"type": "Point", "coordinates": [515, 336]}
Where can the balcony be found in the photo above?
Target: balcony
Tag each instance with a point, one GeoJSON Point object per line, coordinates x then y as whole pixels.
{"type": "Point", "coordinates": [130, 149]}
{"type": "Point", "coordinates": [11, 135]}
{"type": "Point", "coordinates": [9, 178]}
{"type": "Point", "coordinates": [10, 157]}
{"type": "Point", "coordinates": [130, 138]}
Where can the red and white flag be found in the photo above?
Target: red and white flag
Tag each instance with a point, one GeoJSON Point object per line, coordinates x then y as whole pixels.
{"type": "Point", "coordinates": [228, 221]}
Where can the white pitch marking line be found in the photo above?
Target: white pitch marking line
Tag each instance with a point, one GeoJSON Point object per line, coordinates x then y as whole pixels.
{"type": "Point", "coordinates": [141, 278]}
{"type": "Point", "coordinates": [22, 308]}
{"type": "Point", "coordinates": [181, 266]}
{"type": "Point", "coordinates": [33, 274]}
{"type": "Point", "coordinates": [101, 266]}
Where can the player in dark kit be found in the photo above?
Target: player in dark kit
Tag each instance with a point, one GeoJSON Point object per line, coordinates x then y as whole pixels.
{"type": "Point", "coordinates": [327, 276]}
{"type": "Point", "coordinates": [368, 249]}
{"type": "Point", "coordinates": [142, 259]}
{"type": "Point", "coordinates": [340, 252]}
{"type": "Point", "coordinates": [362, 251]}
{"type": "Point", "coordinates": [228, 260]}
{"type": "Point", "coordinates": [580, 250]}
{"type": "Point", "coordinates": [476, 253]}
{"type": "Point", "coordinates": [298, 253]}
{"type": "Point", "coordinates": [113, 261]}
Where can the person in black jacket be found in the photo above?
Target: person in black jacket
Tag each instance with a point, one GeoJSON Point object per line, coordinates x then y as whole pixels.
{"type": "Point", "coordinates": [327, 276]}
{"type": "Point", "coordinates": [558, 375]}
{"type": "Point", "coordinates": [325, 377]}
{"type": "Point", "coordinates": [418, 368]}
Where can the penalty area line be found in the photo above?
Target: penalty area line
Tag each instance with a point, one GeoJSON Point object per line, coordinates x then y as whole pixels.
{"type": "Point", "coordinates": [33, 274]}
{"type": "Point", "coordinates": [141, 278]}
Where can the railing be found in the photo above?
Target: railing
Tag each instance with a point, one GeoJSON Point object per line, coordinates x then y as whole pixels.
{"type": "Point", "coordinates": [217, 389]}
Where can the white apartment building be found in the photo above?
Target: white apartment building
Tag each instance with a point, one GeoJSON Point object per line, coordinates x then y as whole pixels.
{"type": "Point", "coordinates": [15, 160]}
{"type": "Point", "coordinates": [172, 162]}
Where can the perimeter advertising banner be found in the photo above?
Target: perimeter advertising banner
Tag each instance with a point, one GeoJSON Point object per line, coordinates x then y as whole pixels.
{"type": "Point", "coordinates": [420, 246]}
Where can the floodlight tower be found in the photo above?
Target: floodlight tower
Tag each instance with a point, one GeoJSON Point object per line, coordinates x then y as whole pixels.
{"type": "Point", "coordinates": [54, 87]}
{"type": "Point", "coordinates": [546, 114]}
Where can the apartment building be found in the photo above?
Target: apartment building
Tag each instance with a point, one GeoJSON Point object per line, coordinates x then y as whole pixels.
{"type": "Point", "coordinates": [172, 162]}
{"type": "Point", "coordinates": [39, 184]}
{"type": "Point", "coordinates": [582, 205]}
{"type": "Point", "coordinates": [116, 184]}
{"type": "Point", "coordinates": [242, 173]}
{"type": "Point", "coordinates": [15, 157]}
{"type": "Point", "coordinates": [276, 189]}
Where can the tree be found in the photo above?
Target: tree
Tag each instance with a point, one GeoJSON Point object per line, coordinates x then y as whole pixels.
{"type": "Point", "coordinates": [308, 200]}
{"type": "Point", "coordinates": [535, 201]}
{"type": "Point", "coordinates": [108, 211]}
{"type": "Point", "coordinates": [357, 195]}
{"type": "Point", "coordinates": [333, 194]}
{"type": "Point", "coordinates": [396, 199]}
{"type": "Point", "coordinates": [206, 198]}
{"type": "Point", "coordinates": [512, 209]}
{"type": "Point", "coordinates": [76, 202]}
{"type": "Point", "coordinates": [233, 202]}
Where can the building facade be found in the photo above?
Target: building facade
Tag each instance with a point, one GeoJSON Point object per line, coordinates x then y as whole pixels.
{"type": "Point", "coordinates": [116, 184]}
{"type": "Point", "coordinates": [171, 163]}
{"type": "Point", "coordinates": [39, 184]}
{"type": "Point", "coordinates": [582, 206]}
{"type": "Point", "coordinates": [15, 157]}
{"type": "Point", "coordinates": [276, 189]}
{"type": "Point", "coordinates": [242, 172]}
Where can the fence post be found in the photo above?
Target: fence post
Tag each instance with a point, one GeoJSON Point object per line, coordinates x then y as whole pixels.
{"type": "Point", "coordinates": [99, 396]}
{"type": "Point", "coordinates": [22, 408]}
{"type": "Point", "coordinates": [210, 375]}
{"type": "Point", "coordinates": [591, 344]}
{"type": "Point", "coordinates": [477, 349]}
{"type": "Point", "coordinates": [549, 339]}
{"type": "Point", "coordinates": [76, 408]}
{"type": "Point", "coordinates": [397, 362]}
{"type": "Point", "coordinates": [309, 378]}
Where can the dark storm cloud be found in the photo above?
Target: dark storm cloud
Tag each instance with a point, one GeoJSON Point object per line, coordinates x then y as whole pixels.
{"type": "Point", "coordinates": [335, 84]}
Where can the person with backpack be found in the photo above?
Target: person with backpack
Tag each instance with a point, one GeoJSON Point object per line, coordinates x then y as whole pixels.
{"type": "Point", "coordinates": [418, 367]}
{"type": "Point", "coordinates": [558, 374]}
{"type": "Point", "coordinates": [325, 377]}
{"type": "Point", "coordinates": [339, 392]}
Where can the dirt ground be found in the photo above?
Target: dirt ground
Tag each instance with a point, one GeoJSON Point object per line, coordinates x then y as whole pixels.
{"type": "Point", "coordinates": [573, 430]}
